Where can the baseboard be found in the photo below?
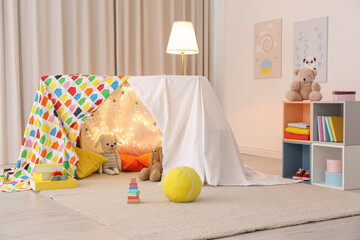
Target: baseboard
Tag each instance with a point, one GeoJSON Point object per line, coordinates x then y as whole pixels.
{"type": "Point", "coordinates": [260, 152]}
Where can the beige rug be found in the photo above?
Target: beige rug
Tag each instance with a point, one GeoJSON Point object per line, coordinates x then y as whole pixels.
{"type": "Point", "coordinates": [218, 211]}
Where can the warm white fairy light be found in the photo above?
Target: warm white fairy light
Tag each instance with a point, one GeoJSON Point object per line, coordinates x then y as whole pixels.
{"type": "Point", "coordinates": [125, 116]}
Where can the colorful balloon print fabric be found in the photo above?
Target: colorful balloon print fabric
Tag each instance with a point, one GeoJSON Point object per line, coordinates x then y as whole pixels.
{"type": "Point", "coordinates": [61, 105]}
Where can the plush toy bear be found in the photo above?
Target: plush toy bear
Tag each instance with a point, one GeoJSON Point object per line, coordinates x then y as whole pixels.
{"type": "Point", "coordinates": [155, 170]}
{"type": "Point", "coordinates": [304, 88]}
{"type": "Point", "coordinates": [109, 146]}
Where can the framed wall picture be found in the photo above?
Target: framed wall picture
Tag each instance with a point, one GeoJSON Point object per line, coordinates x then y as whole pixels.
{"type": "Point", "coordinates": [311, 46]}
{"type": "Point", "coordinates": [267, 49]}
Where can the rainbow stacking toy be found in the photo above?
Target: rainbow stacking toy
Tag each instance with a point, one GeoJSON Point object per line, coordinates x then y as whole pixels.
{"type": "Point", "coordinates": [133, 194]}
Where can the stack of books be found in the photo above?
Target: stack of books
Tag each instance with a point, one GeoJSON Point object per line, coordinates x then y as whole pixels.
{"type": "Point", "coordinates": [42, 174]}
{"type": "Point", "coordinates": [330, 128]}
{"type": "Point", "coordinates": [133, 194]}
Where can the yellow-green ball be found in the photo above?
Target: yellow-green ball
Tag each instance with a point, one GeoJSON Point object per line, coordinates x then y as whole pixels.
{"type": "Point", "coordinates": [181, 184]}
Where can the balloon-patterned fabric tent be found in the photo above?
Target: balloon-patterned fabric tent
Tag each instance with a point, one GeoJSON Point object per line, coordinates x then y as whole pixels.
{"type": "Point", "coordinates": [61, 105]}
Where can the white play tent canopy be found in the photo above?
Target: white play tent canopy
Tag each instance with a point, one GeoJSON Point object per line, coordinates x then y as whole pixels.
{"type": "Point", "coordinates": [195, 130]}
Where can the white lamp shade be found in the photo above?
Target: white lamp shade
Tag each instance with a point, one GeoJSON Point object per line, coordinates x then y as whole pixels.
{"type": "Point", "coordinates": [182, 39]}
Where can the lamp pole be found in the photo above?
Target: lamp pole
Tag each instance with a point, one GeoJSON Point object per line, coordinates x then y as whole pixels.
{"type": "Point", "coordinates": [182, 62]}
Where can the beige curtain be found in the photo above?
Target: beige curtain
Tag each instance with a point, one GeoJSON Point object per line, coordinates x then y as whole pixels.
{"type": "Point", "coordinates": [142, 32]}
{"type": "Point", "coordinates": [110, 37]}
{"type": "Point", "coordinates": [42, 37]}
{"type": "Point", "coordinates": [10, 83]}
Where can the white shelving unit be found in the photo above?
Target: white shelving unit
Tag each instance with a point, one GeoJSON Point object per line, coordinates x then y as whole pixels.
{"type": "Point", "coordinates": [348, 150]}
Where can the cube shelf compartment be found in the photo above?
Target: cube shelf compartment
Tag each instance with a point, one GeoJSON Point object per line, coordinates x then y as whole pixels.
{"type": "Point", "coordinates": [319, 155]}
{"type": "Point", "coordinates": [350, 164]}
{"type": "Point", "coordinates": [296, 112]}
{"type": "Point", "coordinates": [296, 155]}
{"type": "Point", "coordinates": [350, 111]}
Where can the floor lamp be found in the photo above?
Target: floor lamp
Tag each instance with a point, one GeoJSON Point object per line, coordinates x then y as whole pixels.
{"type": "Point", "coordinates": [182, 40]}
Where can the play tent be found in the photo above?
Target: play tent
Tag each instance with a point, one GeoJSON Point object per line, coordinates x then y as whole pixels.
{"type": "Point", "coordinates": [185, 108]}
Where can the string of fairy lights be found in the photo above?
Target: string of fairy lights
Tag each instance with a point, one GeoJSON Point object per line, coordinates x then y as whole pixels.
{"type": "Point", "coordinates": [125, 116]}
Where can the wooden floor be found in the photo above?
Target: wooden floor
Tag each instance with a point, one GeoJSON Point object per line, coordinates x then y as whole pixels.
{"type": "Point", "coordinates": [29, 215]}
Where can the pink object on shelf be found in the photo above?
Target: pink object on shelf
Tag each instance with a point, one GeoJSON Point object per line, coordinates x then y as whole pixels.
{"type": "Point", "coordinates": [334, 165]}
{"type": "Point", "coordinates": [344, 95]}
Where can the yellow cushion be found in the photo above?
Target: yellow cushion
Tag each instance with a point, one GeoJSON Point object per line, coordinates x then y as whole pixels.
{"type": "Point", "coordinates": [88, 163]}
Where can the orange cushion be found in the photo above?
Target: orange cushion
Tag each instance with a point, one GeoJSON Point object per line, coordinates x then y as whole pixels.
{"type": "Point", "coordinates": [130, 164]}
{"type": "Point", "coordinates": [144, 159]}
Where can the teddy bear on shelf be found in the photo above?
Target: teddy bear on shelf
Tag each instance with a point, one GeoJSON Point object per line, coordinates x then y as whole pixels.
{"type": "Point", "coordinates": [304, 88]}
{"type": "Point", "coordinates": [109, 146]}
{"type": "Point", "coordinates": [153, 173]}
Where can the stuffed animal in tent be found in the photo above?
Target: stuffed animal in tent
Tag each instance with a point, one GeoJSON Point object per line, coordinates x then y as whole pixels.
{"type": "Point", "coordinates": [109, 146]}
{"type": "Point", "coordinates": [304, 88]}
{"type": "Point", "coordinates": [153, 173]}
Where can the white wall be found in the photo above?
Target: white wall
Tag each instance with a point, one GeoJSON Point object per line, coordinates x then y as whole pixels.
{"type": "Point", "coordinates": [253, 107]}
